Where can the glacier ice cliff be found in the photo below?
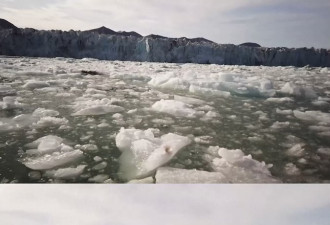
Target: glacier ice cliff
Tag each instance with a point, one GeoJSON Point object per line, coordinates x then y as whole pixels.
{"type": "Point", "coordinates": [106, 44]}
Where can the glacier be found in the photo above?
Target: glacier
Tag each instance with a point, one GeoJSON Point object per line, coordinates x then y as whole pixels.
{"type": "Point", "coordinates": [105, 44]}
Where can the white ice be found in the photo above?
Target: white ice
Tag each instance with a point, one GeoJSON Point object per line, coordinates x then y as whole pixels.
{"type": "Point", "coordinates": [51, 152]}
{"type": "Point", "coordinates": [175, 108]}
{"type": "Point", "coordinates": [142, 153]}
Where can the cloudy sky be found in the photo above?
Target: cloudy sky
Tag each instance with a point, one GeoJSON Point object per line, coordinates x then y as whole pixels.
{"type": "Point", "coordinates": [165, 204]}
{"type": "Point", "coordinates": [290, 23]}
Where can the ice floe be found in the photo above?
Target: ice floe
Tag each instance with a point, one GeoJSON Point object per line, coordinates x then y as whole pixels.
{"type": "Point", "coordinates": [237, 167]}
{"type": "Point", "coordinates": [89, 107]}
{"type": "Point", "coordinates": [175, 108]}
{"type": "Point", "coordinates": [51, 152]}
{"type": "Point", "coordinates": [142, 153]}
{"type": "Point", "coordinates": [294, 90]}
{"type": "Point", "coordinates": [313, 116]}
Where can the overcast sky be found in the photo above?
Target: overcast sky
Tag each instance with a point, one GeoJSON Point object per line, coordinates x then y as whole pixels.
{"type": "Point", "coordinates": [289, 23]}
{"type": "Point", "coordinates": [165, 204]}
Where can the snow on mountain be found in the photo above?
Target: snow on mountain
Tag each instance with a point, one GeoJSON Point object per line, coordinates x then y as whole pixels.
{"type": "Point", "coordinates": [104, 43]}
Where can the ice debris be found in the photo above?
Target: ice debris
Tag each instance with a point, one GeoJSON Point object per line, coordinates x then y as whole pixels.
{"type": "Point", "coordinates": [95, 107]}
{"type": "Point", "coordinates": [175, 108]}
{"type": "Point", "coordinates": [142, 152]}
{"type": "Point", "coordinates": [51, 152]}
{"type": "Point", "coordinates": [316, 116]}
{"type": "Point", "coordinates": [237, 167]}
{"type": "Point", "coordinates": [169, 175]}
{"type": "Point", "coordinates": [297, 91]}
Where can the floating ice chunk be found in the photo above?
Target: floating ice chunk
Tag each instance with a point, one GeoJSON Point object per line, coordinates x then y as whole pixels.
{"type": "Point", "coordinates": [280, 125]}
{"type": "Point", "coordinates": [6, 90]}
{"type": "Point", "coordinates": [266, 85]}
{"type": "Point", "coordinates": [279, 100]}
{"type": "Point", "coordinates": [117, 116]}
{"type": "Point", "coordinates": [189, 100]}
{"type": "Point", "coordinates": [319, 128]}
{"type": "Point", "coordinates": [170, 175]}
{"type": "Point", "coordinates": [86, 107]}
{"type": "Point", "coordinates": [239, 168]}
{"type": "Point", "coordinates": [208, 91]}
{"type": "Point", "coordinates": [320, 103]}
{"type": "Point", "coordinates": [324, 151]}
{"type": "Point", "coordinates": [244, 88]}
{"type": "Point", "coordinates": [102, 125]}
{"type": "Point", "coordinates": [53, 160]}
{"type": "Point", "coordinates": [36, 143]}
{"type": "Point", "coordinates": [173, 107]}
{"type": "Point", "coordinates": [147, 180]}
{"type": "Point", "coordinates": [97, 159]}
{"type": "Point", "coordinates": [33, 84]}
{"type": "Point", "coordinates": [143, 153]}
{"type": "Point", "coordinates": [99, 178]}
{"type": "Point", "coordinates": [314, 116]}
{"type": "Point", "coordinates": [175, 83]}
{"type": "Point", "coordinates": [66, 173]}
{"type": "Point", "coordinates": [34, 73]}
{"type": "Point", "coordinates": [50, 121]}
{"type": "Point", "coordinates": [42, 112]}
{"type": "Point", "coordinates": [126, 137]}
{"type": "Point", "coordinates": [34, 175]}
{"type": "Point", "coordinates": [255, 139]}
{"type": "Point", "coordinates": [211, 115]}
{"type": "Point", "coordinates": [23, 120]}
{"type": "Point", "coordinates": [291, 140]}
{"type": "Point", "coordinates": [302, 161]}
{"type": "Point", "coordinates": [164, 121]}
{"type": "Point", "coordinates": [296, 150]}
{"type": "Point", "coordinates": [6, 126]}
{"type": "Point", "coordinates": [99, 110]}
{"type": "Point", "coordinates": [100, 166]}
{"type": "Point", "coordinates": [226, 77]}
{"type": "Point", "coordinates": [131, 111]}
{"type": "Point", "coordinates": [284, 112]}
{"type": "Point", "coordinates": [93, 91]}
{"type": "Point", "coordinates": [10, 102]}
{"type": "Point", "coordinates": [231, 156]}
{"type": "Point", "coordinates": [291, 169]}
{"type": "Point", "coordinates": [205, 140]}
{"type": "Point", "coordinates": [161, 79]}
{"type": "Point", "coordinates": [325, 134]}
{"type": "Point", "coordinates": [266, 88]}
{"type": "Point", "coordinates": [89, 147]}
{"type": "Point", "coordinates": [51, 152]}
{"type": "Point", "coordinates": [291, 89]}
{"type": "Point", "coordinates": [49, 90]}
{"type": "Point", "coordinates": [49, 145]}
{"type": "Point", "coordinates": [309, 93]}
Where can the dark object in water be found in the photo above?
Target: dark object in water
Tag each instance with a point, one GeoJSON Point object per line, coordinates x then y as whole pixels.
{"type": "Point", "coordinates": [90, 72]}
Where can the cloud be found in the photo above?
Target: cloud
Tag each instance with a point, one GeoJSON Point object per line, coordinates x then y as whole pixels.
{"type": "Point", "coordinates": [165, 204]}
{"type": "Point", "coordinates": [294, 23]}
